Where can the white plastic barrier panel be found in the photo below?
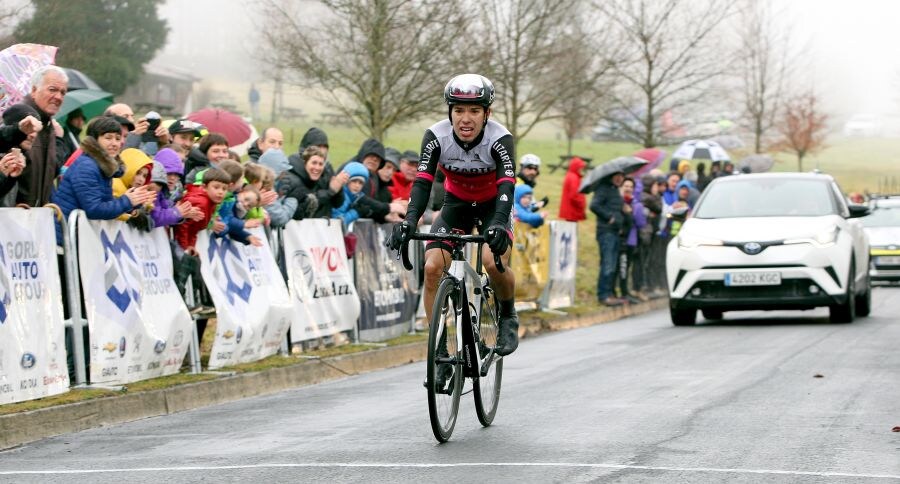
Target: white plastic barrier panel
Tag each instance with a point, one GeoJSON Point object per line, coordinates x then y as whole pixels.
{"type": "Point", "coordinates": [140, 327]}
{"type": "Point", "coordinates": [32, 338]}
{"type": "Point", "coordinates": [560, 290]}
{"type": "Point", "coordinates": [253, 309]}
{"type": "Point", "coordinates": [324, 298]}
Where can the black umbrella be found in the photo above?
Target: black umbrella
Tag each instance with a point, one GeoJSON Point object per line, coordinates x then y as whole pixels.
{"type": "Point", "coordinates": [622, 164]}
{"type": "Point", "coordinates": [79, 80]}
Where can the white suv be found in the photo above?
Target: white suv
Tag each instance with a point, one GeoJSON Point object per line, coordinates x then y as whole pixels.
{"type": "Point", "coordinates": [770, 241]}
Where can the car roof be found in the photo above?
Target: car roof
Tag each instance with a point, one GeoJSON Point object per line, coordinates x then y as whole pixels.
{"type": "Point", "coordinates": [774, 176]}
{"type": "Point", "coordinates": [886, 202]}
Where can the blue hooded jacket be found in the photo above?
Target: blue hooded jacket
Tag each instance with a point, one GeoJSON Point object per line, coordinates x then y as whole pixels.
{"type": "Point", "coordinates": [524, 213]}
{"type": "Point", "coordinates": [346, 211]}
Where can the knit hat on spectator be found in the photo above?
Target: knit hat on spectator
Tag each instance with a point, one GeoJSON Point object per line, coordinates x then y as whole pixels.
{"type": "Point", "coordinates": [170, 161]}
{"type": "Point", "coordinates": [276, 160]}
{"type": "Point", "coordinates": [18, 112]}
{"type": "Point", "coordinates": [393, 156]}
{"type": "Point", "coordinates": [357, 170]}
{"type": "Point", "coordinates": [313, 137]}
{"type": "Point", "coordinates": [158, 174]}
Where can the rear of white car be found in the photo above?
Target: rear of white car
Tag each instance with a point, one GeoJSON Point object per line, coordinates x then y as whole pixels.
{"type": "Point", "coordinates": [769, 241]}
{"type": "Point", "coordinates": [883, 229]}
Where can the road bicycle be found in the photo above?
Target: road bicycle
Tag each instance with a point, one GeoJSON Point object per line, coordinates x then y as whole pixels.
{"type": "Point", "coordinates": [462, 336]}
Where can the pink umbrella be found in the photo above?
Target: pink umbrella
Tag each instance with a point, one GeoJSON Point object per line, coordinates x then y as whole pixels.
{"type": "Point", "coordinates": [226, 123]}
{"type": "Point", "coordinates": [17, 64]}
{"type": "Point", "coordinates": [654, 157]}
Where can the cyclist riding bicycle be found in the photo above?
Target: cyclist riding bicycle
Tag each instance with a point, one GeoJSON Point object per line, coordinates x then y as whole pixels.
{"type": "Point", "coordinates": [477, 156]}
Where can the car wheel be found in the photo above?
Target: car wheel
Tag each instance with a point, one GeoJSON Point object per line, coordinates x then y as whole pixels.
{"type": "Point", "coordinates": [846, 311]}
{"type": "Point", "coordinates": [864, 300]}
{"type": "Point", "coordinates": [683, 317]}
{"type": "Point", "coordinates": [712, 314]}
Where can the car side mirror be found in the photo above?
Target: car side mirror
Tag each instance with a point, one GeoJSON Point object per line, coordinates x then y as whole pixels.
{"type": "Point", "coordinates": [857, 211]}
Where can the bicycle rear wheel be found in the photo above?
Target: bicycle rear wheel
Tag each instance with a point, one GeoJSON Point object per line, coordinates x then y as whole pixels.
{"type": "Point", "coordinates": [444, 379]}
{"type": "Point", "coordinates": [487, 387]}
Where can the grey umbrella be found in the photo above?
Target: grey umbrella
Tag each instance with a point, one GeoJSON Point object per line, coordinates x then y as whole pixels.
{"type": "Point", "coordinates": [622, 164]}
{"type": "Point", "coordinates": [756, 163]}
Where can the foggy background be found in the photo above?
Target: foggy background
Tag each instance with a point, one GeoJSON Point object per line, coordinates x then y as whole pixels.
{"type": "Point", "coordinates": [849, 47]}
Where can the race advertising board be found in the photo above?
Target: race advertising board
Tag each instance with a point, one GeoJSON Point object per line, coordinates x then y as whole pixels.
{"type": "Point", "coordinates": [253, 309]}
{"type": "Point", "coordinates": [139, 324]}
{"type": "Point", "coordinates": [324, 298]}
{"type": "Point", "coordinates": [560, 291]}
{"type": "Point", "coordinates": [32, 338]}
{"type": "Point", "coordinates": [530, 250]}
{"type": "Point", "coordinates": [387, 291]}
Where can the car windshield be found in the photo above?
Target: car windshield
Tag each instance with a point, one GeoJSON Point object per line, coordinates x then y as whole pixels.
{"type": "Point", "coordinates": [766, 197]}
{"type": "Point", "coordinates": [883, 217]}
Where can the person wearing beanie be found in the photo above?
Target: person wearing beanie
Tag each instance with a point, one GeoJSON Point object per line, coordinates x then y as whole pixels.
{"type": "Point", "coordinates": [357, 177]}
{"type": "Point", "coordinates": [376, 205]}
{"type": "Point", "coordinates": [522, 207]}
{"type": "Point", "coordinates": [313, 137]}
{"type": "Point", "coordinates": [164, 212]}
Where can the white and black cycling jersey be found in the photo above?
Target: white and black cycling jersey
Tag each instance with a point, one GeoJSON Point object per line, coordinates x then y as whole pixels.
{"type": "Point", "coordinates": [477, 172]}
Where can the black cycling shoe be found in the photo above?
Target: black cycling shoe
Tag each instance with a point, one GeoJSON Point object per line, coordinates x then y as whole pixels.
{"type": "Point", "coordinates": [508, 335]}
{"type": "Point", "coordinates": [444, 375]}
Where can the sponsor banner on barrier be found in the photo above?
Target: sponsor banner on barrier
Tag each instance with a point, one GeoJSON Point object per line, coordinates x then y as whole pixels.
{"type": "Point", "coordinates": [560, 291]}
{"type": "Point", "coordinates": [32, 340]}
{"type": "Point", "coordinates": [139, 325]}
{"type": "Point", "coordinates": [531, 249]}
{"type": "Point", "coordinates": [323, 295]}
{"type": "Point", "coordinates": [387, 291]}
{"type": "Point", "coordinates": [253, 309]}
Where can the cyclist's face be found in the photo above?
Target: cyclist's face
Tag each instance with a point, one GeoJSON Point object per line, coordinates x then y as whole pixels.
{"type": "Point", "coordinates": [468, 120]}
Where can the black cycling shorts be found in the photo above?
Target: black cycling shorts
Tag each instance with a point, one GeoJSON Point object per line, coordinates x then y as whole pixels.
{"type": "Point", "coordinates": [461, 217]}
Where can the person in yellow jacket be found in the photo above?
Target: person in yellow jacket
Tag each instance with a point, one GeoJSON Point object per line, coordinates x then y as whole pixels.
{"type": "Point", "coordinates": [137, 174]}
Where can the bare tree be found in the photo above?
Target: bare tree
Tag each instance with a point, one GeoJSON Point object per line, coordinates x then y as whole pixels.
{"type": "Point", "coordinates": [379, 62]}
{"type": "Point", "coordinates": [529, 52]}
{"type": "Point", "coordinates": [763, 65]}
{"type": "Point", "coordinates": [589, 66]}
{"type": "Point", "coordinates": [671, 57]}
{"type": "Point", "coordinates": [803, 126]}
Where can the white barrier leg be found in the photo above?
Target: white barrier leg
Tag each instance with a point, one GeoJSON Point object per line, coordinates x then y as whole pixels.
{"type": "Point", "coordinates": [194, 348]}
{"type": "Point", "coordinates": [70, 257]}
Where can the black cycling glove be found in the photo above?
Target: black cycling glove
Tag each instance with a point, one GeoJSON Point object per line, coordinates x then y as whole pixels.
{"type": "Point", "coordinates": [400, 235]}
{"type": "Point", "coordinates": [497, 239]}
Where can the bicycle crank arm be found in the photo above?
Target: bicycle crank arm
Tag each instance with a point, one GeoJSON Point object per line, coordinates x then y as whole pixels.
{"type": "Point", "coordinates": [490, 360]}
{"type": "Point", "coordinates": [452, 360]}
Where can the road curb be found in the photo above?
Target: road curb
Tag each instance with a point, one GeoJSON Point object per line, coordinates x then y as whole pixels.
{"type": "Point", "coordinates": [21, 428]}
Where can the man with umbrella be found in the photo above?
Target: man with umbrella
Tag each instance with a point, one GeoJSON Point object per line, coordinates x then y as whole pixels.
{"type": "Point", "coordinates": [611, 210]}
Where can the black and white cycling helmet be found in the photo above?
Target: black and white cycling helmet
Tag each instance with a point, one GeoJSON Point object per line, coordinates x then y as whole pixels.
{"type": "Point", "coordinates": [469, 89]}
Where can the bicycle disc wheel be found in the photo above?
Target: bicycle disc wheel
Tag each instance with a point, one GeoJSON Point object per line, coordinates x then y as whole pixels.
{"type": "Point", "coordinates": [444, 380]}
{"type": "Point", "coordinates": [487, 388]}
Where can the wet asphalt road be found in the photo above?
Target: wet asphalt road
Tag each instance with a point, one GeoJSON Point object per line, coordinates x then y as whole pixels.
{"type": "Point", "coordinates": [761, 397]}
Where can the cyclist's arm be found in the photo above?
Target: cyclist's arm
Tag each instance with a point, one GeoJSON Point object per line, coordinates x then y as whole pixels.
{"type": "Point", "coordinates": [503, 152]}
{"type": "Point", "coordinates": [421, 189]}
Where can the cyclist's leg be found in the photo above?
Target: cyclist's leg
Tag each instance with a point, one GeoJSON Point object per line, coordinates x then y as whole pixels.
{"type": "Point", "coordinates": [504, 284]}
{"type": "Point", "coordinates": [437, 260]}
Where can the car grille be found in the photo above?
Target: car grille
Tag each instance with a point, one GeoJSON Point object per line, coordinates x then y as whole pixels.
{"type": "Point", "coordinates": [718, 290]}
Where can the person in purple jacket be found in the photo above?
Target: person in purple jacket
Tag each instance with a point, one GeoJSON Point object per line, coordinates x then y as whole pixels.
{"type": "Point", "coordinates": [628, 252]}
{"type": "Point", "coordinates": [164, 212]}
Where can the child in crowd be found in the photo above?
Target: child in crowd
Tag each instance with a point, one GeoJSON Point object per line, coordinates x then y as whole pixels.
{"type": "Point", "coordinates": [173, 166]}
{"type": "Point", "coordinates": [248, 207]}
{"type": "Point", "coordinates": [164, 212]}
{"type": "Point", "coordinates": [359, 176]}
{"type": "Point", "coordinates": [205, 197]}
{"type": "Point", "coordinates": [281, 211]}
{"type": "Point", "coordinates": [523, 213]}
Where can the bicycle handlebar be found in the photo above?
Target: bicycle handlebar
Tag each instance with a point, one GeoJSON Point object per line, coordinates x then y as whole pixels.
{"type": "Point", "coordinates": [465, 239]}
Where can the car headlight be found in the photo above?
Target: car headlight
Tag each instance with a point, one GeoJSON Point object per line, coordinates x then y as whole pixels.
{"type": "Point", "coordinates": [687, 241]}
{"type": "Point", "coordinates": [824, 238]}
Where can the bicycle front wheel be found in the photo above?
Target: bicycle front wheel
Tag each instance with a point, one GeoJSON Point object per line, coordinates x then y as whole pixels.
{"type": "Point", "coordinates": [487, 387]}
{"type": "Point", "coordinates": [444, 379]}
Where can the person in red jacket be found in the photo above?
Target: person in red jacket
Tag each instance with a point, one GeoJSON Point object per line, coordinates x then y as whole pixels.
{"type": "Point", "coordinates": [405, 176]}
{"type": "Point", "coordinates": [572, 203]}
{"type": "Point", "coordinates": [205, 197]}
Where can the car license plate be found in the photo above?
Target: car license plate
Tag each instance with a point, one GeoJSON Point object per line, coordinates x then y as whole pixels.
{"type": "Point", "coordinates": [888, 260]}
{"type": "Point", "coordinates": [752, 278]}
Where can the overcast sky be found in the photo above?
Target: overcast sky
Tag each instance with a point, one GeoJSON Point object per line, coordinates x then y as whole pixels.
{"type": "Point", "coordinates": [852, 50]}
